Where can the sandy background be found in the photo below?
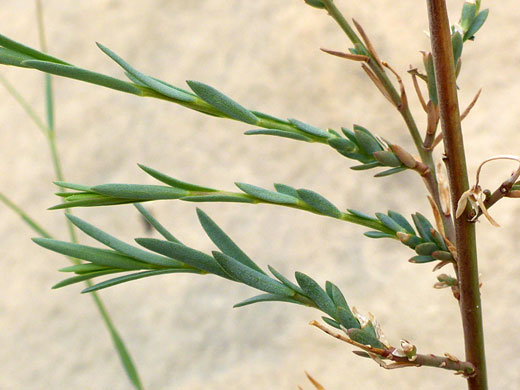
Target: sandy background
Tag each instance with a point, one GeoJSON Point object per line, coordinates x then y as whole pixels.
{"type": "Point", "coordinates": [181, 329]}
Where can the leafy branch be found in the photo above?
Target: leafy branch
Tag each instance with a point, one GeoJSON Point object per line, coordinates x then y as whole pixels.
{"type": "Point", "coordinates": [231, 263]}
{"type": "Point", "coordinates": [428, 243]}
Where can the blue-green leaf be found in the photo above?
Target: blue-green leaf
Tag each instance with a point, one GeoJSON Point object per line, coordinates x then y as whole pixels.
{"type": "Point", "coordinates": [347, 319]}
{"type": "Point", "coordinates": [389, 222]}
{"type": "Point", "coordinates": [135, 276]}
{"type": "Point", "coordinates": [139, 191]}
{"type": "Point", "coordinates": [342, 144]}
{"type": "Point", "coordinates": [279, 133]}
{"type": "Point", "coordinates": [107, 258]}
{"type": "Point", "coordinates": [183, 253]}
{"type": "Point", "coordinates": [315, 3]}
{"type": "Point", "coordinates": [364, 337]}
{"type": "Point", "coordinates": [421, 259]}
{"type": "Point", "coordinates": [287, 190]}
{"type": "Point", "coordinates": [85, 276]}
{"type": "Point", "coordinates": [313, 291]}
{"type": "Point", "coordinates": [309, 129]}
{"type": "Point", "coordinates": [72, 186]}
{"type": "Point", "coordinates": [387, 158]}
{"type": "Point", "coordinates": [426, 249]}
{"type": "Point", "coordinates": [423, 226]}
{"type": "Point", "coordinates": [157, 86]}
{"type": "Point", "coordinates": [224, 242]}
{"type": "Point", "coordinates": [223, 103]}
{"type": "Point", "coordinates": [366, 140]}
{"type": "Point", "coordinates": [250, 277]}
{"type": "Point", "coordinates": [266, 195]}
{"type": "Point", "coordinates": [28, 51]}
{"type": "Point", "coordinates": [391, 171]}
{"type": "Point", "coordinates": [457, 44]}
{"type": "Point", "coordinates": [401, 221]}
{"type": "Point", "coordinates": [361, 215]}
{"type": "Point", "coordinates": [477, 24]}
{"type": "Point", "coordinates": [319, 203]}
{"type": "Point", "coordinates": [120, 246]}
{"type": "Point", "coordinates": [267, 298]}
{"type": "Point", "coordinates": [376, 234]}
{"type": "Point", "coordinates": [364, 167]}
{"type": "Point", "coordinates": [83, 268]}
{"type": "Point", "coordinates": [285, 281]}
{"type": "Point", "coordinates": [469, 10]}
{"type": "Point", "coordinates": [174, 182]}
{"type": "Point", "coordinates": [156, 224]}
{"type": "Point", "coordinates": [331, 322]}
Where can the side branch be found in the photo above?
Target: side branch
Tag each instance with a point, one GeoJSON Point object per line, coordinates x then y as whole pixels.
{"type": "Point", "coordinates": [447, 362]}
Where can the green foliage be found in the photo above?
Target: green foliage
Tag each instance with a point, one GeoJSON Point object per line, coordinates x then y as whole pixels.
{"type": "Point", "coordinates": [170, 255]}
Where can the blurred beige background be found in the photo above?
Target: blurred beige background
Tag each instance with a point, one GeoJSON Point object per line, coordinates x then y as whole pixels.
{"type": "Point", "coordinates": [181, 329]}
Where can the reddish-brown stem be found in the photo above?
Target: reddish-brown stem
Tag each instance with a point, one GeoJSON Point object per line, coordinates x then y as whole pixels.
{"type": "Point", "coordinates": [457, 174]}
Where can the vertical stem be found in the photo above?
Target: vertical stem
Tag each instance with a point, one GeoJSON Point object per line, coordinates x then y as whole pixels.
{"type": "Point", "coordinates": [457, 173]}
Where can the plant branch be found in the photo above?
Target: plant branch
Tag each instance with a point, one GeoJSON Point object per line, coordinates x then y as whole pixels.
{"type": "Point", "coordinates": [470, 304]}
{"type": "Point", "coordinates": [383, 82]}
{"type": "Point", "coordinates": [447, 362]}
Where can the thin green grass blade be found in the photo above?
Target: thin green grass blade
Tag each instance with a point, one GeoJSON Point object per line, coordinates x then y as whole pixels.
{"type": "Point", "coordinates": [224, 242]}
{"type": "Point", "coordinates": [249, 276]}
{"type": "Point", "coordinates": [88, 76]}
{"type": "Point", "coordinates": [223, 103]}
{"type": "Point", "coordinates": [25, 217]}
{"type": "Point", "coordinates": [136, 276]}
{"type": "Point", "coordinates": [123, 247]}
{"type": "Point", "coordinates": [156, 224]}
{"type": "Point", "coordinates": [174, 182]}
